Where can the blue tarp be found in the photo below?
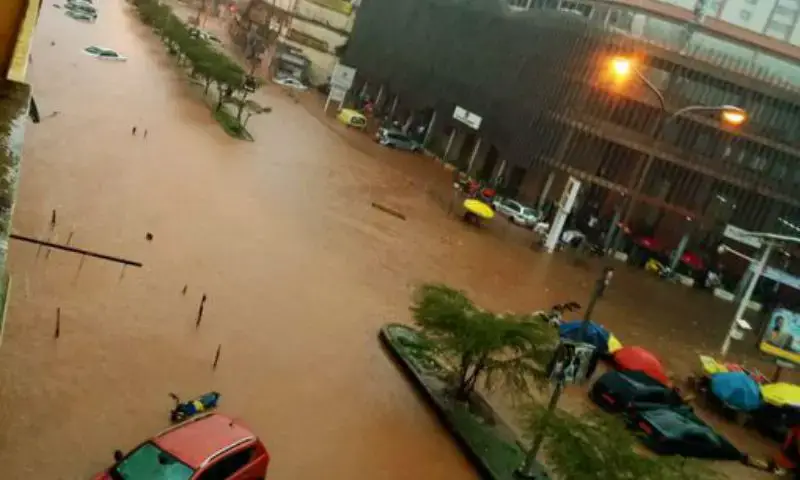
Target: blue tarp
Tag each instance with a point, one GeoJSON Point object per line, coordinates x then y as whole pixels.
{"type": "Point", "coordinates": [737, 389]}
{"type": "Point", "coordinates": [595, 334]}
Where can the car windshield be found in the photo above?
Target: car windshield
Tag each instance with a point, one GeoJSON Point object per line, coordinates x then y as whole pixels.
{"type": "Point", "coordinates": [512, 205]}
{"type": "Point", "coordinates": [95, 50]}
{"type": "Point", "coordinates": [148, 462]}
{"type": "Point", "coordinates": [108, 53]}
{"type": "Point", "coordinates": [528, 212]}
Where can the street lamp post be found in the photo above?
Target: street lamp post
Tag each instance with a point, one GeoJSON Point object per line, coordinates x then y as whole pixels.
{"type": "Point", "coordinates": [530, 468]}
{"type": "Point", "coordinates": [622, 69]}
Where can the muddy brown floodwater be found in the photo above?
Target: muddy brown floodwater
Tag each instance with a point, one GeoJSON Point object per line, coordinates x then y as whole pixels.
{"type": "Point", "coordinates": [299, 271]}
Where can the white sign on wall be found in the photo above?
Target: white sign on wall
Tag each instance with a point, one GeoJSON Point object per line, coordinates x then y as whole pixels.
{"type": "Point", "coordinates": [467, 118]}
{"type": "Point", "coordinates": [342, 76]}
{"type": "Point", "coordinates": [337, 93]}
{"type": "Point", "coordinates": [741, 235]}
{"type": "Point", "coordinates": [341, 81]}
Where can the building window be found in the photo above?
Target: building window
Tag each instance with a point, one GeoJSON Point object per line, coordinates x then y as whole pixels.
{"type": "Point", "coordinates": [784, 14]}
{"type": "Point", "coordinates": [778, 30]}
{"type": "Point", "coordinates": [745, 15]}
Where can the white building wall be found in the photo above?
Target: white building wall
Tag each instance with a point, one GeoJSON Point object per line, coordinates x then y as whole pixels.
{"type": "Point", "coordinates": [750, 14]}
{"type": "Point", "coordinates": [323, 15]}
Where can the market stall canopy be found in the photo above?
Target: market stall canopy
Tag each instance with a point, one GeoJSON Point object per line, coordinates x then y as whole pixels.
{"type": "Point", "coordinates": [781, 394]}
{"type": "Point", "coordinates": [640, 360]}
{"type": "Point", "coordinates": [596, 334]}
{"type": "Point", "coordinates": [737, 389]}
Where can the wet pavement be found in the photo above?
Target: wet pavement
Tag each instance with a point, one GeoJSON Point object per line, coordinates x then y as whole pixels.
{"type": "Point", "coordinates": [299, 269]}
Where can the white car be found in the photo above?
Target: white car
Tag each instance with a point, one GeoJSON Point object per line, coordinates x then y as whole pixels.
{"type": "Point", "coordinates": [103, 53]}
{"type": "Point", "coordinates": [516, 212]}
{"type": "Point", "coordinates": [203, 35]}
{"type": "Point", "coordinates": [291, 82]}
{"type": "Point", "coordinates": [81, 7]}
{"type": "Point", "coordinates": [82, 16]}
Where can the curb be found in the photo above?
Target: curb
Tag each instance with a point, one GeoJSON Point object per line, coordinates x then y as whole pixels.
{"type": "Point", "coordinates": [481, 465]}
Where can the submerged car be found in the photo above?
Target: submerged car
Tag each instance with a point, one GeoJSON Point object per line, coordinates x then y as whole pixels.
{"type": "Point", "coordinates": [396, 139]}
{"type": "Point", "coordinates": [622, 392]}
{"type": "Point", "coordinates": [352, 118]}
{"type": "Point", "coordinates": [516, 212]}
{"type": "Point", "coordinates": [80, 15]}
{"type": "Point", "coordinates": [82, 7]}
{"type": "Point", "coordinates": [291, 82]}
{"type": "Point", "coordinates": [207, 447]}
{"type": "Point", "coordinates": [678, 431]}
{"type": "Point", "coordinates": [103, 53]}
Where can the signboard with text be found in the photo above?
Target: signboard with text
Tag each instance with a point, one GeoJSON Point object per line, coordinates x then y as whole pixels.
{"type": "Point", "coordinates": [741, 235]}
{"type": "Point", "coordinates": [343, 76]}
{"type": "Point", "coordinates": [782, 336]}
{"type": "Point", "coordinates": [468, 118]}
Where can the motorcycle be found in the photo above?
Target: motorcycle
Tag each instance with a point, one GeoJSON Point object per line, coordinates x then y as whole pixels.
{"type": "Point", "coordinates": [185, 410]}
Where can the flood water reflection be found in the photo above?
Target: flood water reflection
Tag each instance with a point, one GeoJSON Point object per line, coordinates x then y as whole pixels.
{"type": "Point", "coordinates": [299, 271]}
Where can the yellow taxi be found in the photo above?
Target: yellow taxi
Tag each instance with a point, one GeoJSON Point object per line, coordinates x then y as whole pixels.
{"type": "Point", "coordinates": [352, 118]}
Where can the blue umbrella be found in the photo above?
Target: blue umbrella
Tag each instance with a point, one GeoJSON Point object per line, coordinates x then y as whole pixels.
{"type": "Point", "coordinates": [595, 334]}
{"type": "Point", "coordinates": [737, 389]}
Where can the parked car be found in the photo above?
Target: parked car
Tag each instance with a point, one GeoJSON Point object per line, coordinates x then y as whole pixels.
{"type": "Point", "coordinates": [104, 53]}
{"type": "Point", "coordinates": [622, 392]}
{"type": "Point", "coordinates": [396, 139]}
{"type": "Point", "coordinates": [291, 82]}
{"type": "Point", "coordinates": [678, 431]}
{"type": "Point", "coordinates": [206, 447]}
{"type": "Point", "coordinates": [352, 118]}
{"type": "Point", "coordinates": [203, 35]}
{"type": "Point", "coordinates": [516, 212]}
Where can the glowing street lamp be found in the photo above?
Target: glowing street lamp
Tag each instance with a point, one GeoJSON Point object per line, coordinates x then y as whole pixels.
{"type": "Point", "coordinates": [621, 67]}
{"type": "Point", "coordinates": [733, 115]}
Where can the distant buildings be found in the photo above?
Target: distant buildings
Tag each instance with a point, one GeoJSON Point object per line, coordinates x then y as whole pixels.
{"type": "Point", "coordinates": [295, 32]}
{"type": "Point", "coordinates": [778, 19]}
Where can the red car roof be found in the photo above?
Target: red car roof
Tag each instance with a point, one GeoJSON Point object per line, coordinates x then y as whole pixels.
{"type": "Point", "coordinates": [196, 440]}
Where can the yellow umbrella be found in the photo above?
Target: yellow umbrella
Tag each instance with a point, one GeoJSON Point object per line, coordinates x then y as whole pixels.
{"type": "Point", "coordinates": [613, 343]}
{"type": "Point", "coordinates": [780, 394]}
{"type": "Point", "coordinates": [479, 208]}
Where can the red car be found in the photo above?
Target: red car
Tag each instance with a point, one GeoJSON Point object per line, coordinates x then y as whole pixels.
{"type": "Point", "coordinates": [207, 447]}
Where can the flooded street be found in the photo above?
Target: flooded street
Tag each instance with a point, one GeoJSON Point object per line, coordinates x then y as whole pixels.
{"type": "Point", "coordinates": [299, 270]}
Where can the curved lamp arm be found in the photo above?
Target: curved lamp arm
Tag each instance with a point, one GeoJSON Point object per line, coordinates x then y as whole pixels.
{"type": "Point", "coordinates": [653, 88]}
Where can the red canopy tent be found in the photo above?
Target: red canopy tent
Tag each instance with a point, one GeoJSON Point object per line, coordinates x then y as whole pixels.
{"type": "Point", "coordinates": [641, 360]}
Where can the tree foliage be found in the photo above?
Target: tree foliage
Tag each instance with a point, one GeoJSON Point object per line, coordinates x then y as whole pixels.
{"type": "Point", "coordinates": [481, 345]}
{"type": "Point", "coordinates": [206, 62]}
{"type": "Point", "coordinates": [597, 445]}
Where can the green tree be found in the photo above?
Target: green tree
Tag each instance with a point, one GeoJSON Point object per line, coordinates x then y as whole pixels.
{"type": "Point", "coordinates": [479, 344]}
{"type": "Point", "coordinates": [597, 445]}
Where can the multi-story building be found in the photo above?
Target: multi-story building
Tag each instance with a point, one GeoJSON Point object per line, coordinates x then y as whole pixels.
{"type": "Point", "coordinates": [779, 19]}
{"type": "Point", "coordinates": [17, 21]}
{"type": "Point", "coordinates": [306, 37]}
{"type": "Point", "coordinates": [320, 29]}
{"type": "Point", "coordinates": [541, 106]}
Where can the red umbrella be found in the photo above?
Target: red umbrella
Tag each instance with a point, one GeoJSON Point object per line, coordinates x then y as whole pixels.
{"type": "Point", "coordinates": [639, 359]}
